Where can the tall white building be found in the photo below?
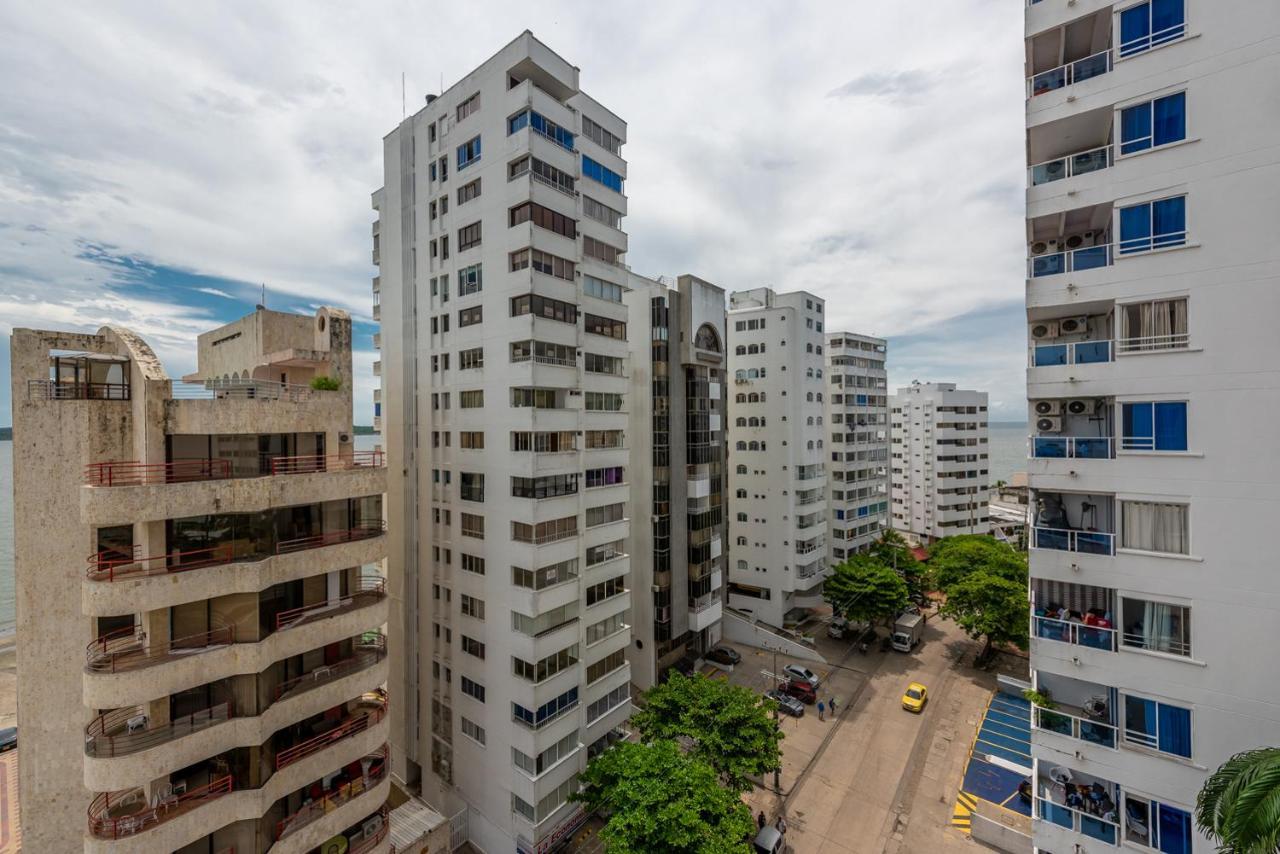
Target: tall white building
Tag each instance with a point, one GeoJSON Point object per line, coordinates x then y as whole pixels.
{"type": "Point", "coordinates": [677, 471]}
{"type": "Point", "coordinates": [778, 471]}
{"type": "Point", "coordinates": [939, 461]}
{"type": "Point", "coordinates": [504, 414]}
{"type": "Point", "coordinates": [857, 413]}
{"type": "Point", "coordinates": [1151, 301]}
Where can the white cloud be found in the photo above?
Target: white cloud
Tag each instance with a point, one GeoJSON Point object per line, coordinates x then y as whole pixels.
{"type": "Point", "coordinates": [215, 292]}
{"type": "Point", "coordinates": [863, 151]}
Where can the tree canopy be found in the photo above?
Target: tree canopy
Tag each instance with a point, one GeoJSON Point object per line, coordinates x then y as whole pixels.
{"type": "Point", "coordinates": [989, 606]}
{"type": "Point", "coordinates": [1239, 805]}
{"type": "Point", "coordinates": [658, 798]}
{"type": "Point", "coordinates": [953, 559]}
{"type": "Point", "coordinates": [727, 726]}
{"type": "Point", "coordinates": [864, 589]}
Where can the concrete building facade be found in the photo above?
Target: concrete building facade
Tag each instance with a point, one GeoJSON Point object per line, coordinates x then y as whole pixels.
{"type": "Point", "coordinates": [504, 374]}
{"type": "Point", "coordinates": [778, 460]}
{"type": "Point", "coordinates": [939, 461]}
{"type": "Point", "coordinates": [1152, 378]}
{"type": "Point", "coordinates": [209, 677]}
{"type": "Point", "coordinates": [676, 471]}
{"type": "Point", "coordinates": [857, 413]}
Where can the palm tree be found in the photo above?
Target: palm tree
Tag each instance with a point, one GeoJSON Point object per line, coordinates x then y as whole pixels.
{"type": "Point", "coordinates": [1239, 806]}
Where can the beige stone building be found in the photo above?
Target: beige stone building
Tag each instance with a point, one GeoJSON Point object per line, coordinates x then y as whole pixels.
{"type": "Point", "coordinates": [199, 651]}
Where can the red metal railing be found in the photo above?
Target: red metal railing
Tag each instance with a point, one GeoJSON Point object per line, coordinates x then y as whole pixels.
{"type": "Point", "coordinates": [361, 531]}
{"type": "Point", "coordinates": [134, 473]}
{"type": "Point", "coordinates": [103, 567]}
{"type": "Point", "coordinates": [127, 649]}
{"type": "Point", "coordinates": [103, 738]}
{"type": "Point", "coordinates": [104, 825]}
{"type": "Point", "coordinates": [340, 796]}
{"type": "Point", "coordinates": [353, 725]}
{"type": "Point", "coordinates": [319, 463]}
{"type": "Point", "coordinates": [368, 591]}
{"type": "Point", "coordinates": [369, 651]}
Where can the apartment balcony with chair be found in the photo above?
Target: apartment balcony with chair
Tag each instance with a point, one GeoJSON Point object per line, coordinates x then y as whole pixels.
{"type": "Point", "coordinates": [1078, 802]}
{"type": "Point", "coordinates": [1063, 56]}
{"type": "Point", "coordinates": [349, 793]}
{"type": "Point", "coordinates": [1074, 614]}
{"type": "Point", "coordinates": [1074, 522]}
{"type": "Point", "coordinates": [1081, 711]}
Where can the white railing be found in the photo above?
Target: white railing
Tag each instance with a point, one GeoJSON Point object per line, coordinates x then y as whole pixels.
{"type": "Point", "coordinates": [1071, 353]}
{"type": "Point", "coordinates": [1070, 540]}
{"type": "Point", "coordinates": [1072, 448]}
{"type": "Point", "coordinates": [545, 360]}
{"type": "Point", "coordinates": [1164, 642]}
{"type": "Point", "coordinates": [1153, 343]}
{"type": "Point", "coordinates": [1093, 826]}
{"type": "Point", "coordinates": [1078, 634]}
{"type": "Point", "coordinates": [1070, 165]}
{"type": "Point", "coordinates": [1071, 260]}
{"type": "Point", "coordinates": [240, 390]}
{"type": "Point", "coordinates": [1151, 40]}
{"type": "Point", "coordinates": [1072, 72]}
{"type": "Point", "coordinates": [1101, 733]}
{"type": "Point", "coordinates": [1151, 242]}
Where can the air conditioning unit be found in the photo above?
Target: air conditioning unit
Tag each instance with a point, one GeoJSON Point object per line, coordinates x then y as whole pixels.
{"type": "Point", "coordinates": [1048, 407]}
{"type": "Point", "coordinates": [1045, 247]}
{"type": "Point", "coordinates": [371, 826]}
{"type": "Point", "coordinates": [1073, 325]}
{"type": "Point", "coordinates": [1044, 329]}
{"type": "Point", "coordinates": [1082, 406]}
{"type": "Point", "coordinates": [1049, 424]}
{"type": "Point", "coordinates": [1084, 239]}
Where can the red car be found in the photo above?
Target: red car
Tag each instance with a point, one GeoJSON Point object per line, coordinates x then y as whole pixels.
{"type": "Point", "coordinates": [802, 691]}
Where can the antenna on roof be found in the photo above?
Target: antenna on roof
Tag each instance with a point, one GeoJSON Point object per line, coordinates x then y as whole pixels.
{"type": "Point", "coordinates": [262, 305]}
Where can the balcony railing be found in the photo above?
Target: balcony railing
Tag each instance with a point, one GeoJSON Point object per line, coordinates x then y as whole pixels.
{"type": "Point", "coordinates": [545, 360]}
{"type": "Point", "coordinates": [371, 649]}
{"type": "Point", "coordinates": [1067, 540]}
{"type": "Point", "coordinates": [125, 731]}
{"type": "Point", "coordinates": [136, 474]}
{"type": "Point", "coordinates": [52, 390]}
{"type": "Point", "coordinates": [1070, 261]}
{"type": "Point", "coordinates": [1079, 634]}
{"type": "Point", "coordinates": [1071, 353]}
{"type": "Point", "coordinates": [361, 531]}
{"type": "Point", "coordinates": [1150, 40]}
{"type": "Point", "coordinates": [127, 649]}
{"type": "Point", "coordinates": [1082, 729]}
{"type": "Point", "coordinates": [1092, 826]}
{"type": "Point", "coordinates": [1072, 448]}
{"type": "Point", "coordinates": [367, 591]}
{"type": "Point", "coordinates": [1071, 165]}
{"type": "Point", "coordinates": [322, 463]}
{"type": "Point", "coordinates": [1072, 72]}
{"type": "Point", "coordinates": [543, 539]}
{"type": "Point", "coordinates": [241, 390]}
{"type": "Point", "coordinates": [353, 725]}
{"type": "Point", "coordinates": [118, 815]}
{"type": "Point", "coordinates": [1153, 343]}
{"type": "Point", "coordinates": [810, 547]}
{"type": "Point", "coordinates": [344, 794]}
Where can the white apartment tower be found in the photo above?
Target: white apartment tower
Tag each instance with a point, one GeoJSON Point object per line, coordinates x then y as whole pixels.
{"type": "Point", "coordinates": [857, 413]}
{"type": "Point", "coordinates": [939, 461]}
{"type": "Point", "coordinates": [778, 471]}
{"type": "Point", "coordinates": [504, 414]}
{"type": "Point", "coordinates": [1152, 292]}
{"type": "Point", "coordinates": [676, 330]}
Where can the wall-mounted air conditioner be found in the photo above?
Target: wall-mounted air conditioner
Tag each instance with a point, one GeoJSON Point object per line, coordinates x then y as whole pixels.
{"type": "Point", "coordinates": [1049, 424]}
{"type": "Point", "coordinates": [1044, 329]}
{"type": "Point", "coordinates": [1080, 241]}
{"type": "Point", "coordinates": [1046, 247]}
{"type": "Point", "coordinates": [1073, 325]}
{"type": "Point", "coordinates": [1081, 406]}
{"type": "Point", "coordinates": [1048, 407]}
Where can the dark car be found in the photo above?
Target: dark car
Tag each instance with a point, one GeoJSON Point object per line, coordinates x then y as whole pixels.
{"type": "Point", "coordinates": [8, 738]}
{"type": "Point", "coordinates": [724, 655]}
{"type": "Point", "coordinates": [786, 704]}
{"type": "Point", "coordinates": [802, 691]}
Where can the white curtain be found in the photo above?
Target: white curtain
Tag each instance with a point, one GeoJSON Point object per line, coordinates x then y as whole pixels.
{"type": "Point", "coordinates": [1157, 626]}
{"type": "Point", "coordinates": [1154, 527]}
{"type": "Point", "coordinates": [1157, 325]}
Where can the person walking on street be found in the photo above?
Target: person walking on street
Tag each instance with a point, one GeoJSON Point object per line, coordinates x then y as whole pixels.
{"type": "Point", "coordinates": [761, 821]}
{"type": "Point", "coordinates": [831, 704]}
{"type": "Point", "coordinates": [822, 708]}
{"type": "Point", "coordinates": [780, 825]}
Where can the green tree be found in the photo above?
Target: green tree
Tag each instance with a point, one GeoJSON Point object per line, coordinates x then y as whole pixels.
{"type": "Point", "coordinates": [657, 798]}
{"type": "Point", "coordinates": [954, 559]}
{"type": "Point", "coordinates": [989, 606]}
{"type": "Point", "coordinates": [864, 589]}
{"type": "Point", "coordinates": [1239, 805]}
{"type": "Point", "coordinates": [892, 551]}
{"type": "Point", "coordinates": [727, 726]}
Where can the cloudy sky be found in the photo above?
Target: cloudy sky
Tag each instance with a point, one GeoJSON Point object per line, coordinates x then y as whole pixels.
{"type": "Point", "coordinates": [159, 164]}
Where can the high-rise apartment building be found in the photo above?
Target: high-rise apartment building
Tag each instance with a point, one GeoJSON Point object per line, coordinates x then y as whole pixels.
{"type": "Point", "coordinates": [938, 461]}
{"type": "Point", "coordinates": [208, 677]}
{"type": "Point", "coordinates": [857, 413]}
{"type": "Point", "coordinates": [778, 470]}
{"type": "Point", "coordinates": [504, 413]}
{"type": "Point", "coordinates": [677, 470]}
{"type": "Point", "coordinates": [1151, 303]}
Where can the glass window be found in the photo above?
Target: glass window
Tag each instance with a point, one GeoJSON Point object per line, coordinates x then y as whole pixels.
{"type": "Point", "coordinates": [1149, 25]}
{"type": "Point", "coordinates": [1155, 426]}
{"type": "Point", "coordinates": [1157, 725]}
{"type": "Point", "coordinates": [1153, 225]}
{"type": "Point", "coordinates": [468, 152]}
{"type": "Point", "coordinates": [1154, 123]}
{"type": "Point", "coordinates": [470, 280]}
{"type": "Point", "coordinates": [600, 136]}
{"type": "Point", "coordinates": [601, 175]}
{"type": "Point", "coordinates": [600, 289]}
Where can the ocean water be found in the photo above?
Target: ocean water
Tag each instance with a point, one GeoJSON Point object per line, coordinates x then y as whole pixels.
{"type": "Point", "coordinates": [1007, 450]}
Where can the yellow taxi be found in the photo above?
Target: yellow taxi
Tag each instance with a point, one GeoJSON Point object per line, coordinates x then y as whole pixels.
{"type": "Point", "coordinates": [915, 697]}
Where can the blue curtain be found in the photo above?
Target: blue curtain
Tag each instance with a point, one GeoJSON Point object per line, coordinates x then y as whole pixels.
{"type": "Point", "coordinates": [1171, 426]}
{"type": "Point", "coordinates": [1137, 422]}
{"type": "Point", "coordinates": [1165, 15]}
{"type": "Point", "coordinates": [1135, 129]}
{"type": "Point", "coordinates": [1135, 24]}
{"type": "Point", "coordinates": [1135, 228]}
{"type": "Point", "coordinates": [1140, 716]}
{"type": "Point", "coordinates": [1175, 830]}
{"type": "Point", "coordinates": [1169, 221]}
{"type": "Point", "coordinates": [1170, 118]}
{"type": "Point", "coordinates": [1175, 730]}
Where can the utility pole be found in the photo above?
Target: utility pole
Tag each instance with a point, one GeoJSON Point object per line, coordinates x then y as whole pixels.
{"type": "Point", "coordinates": [777, 772]}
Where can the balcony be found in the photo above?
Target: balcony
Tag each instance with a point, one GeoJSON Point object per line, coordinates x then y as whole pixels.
{"type": "Point", "coordinates": [127, 649]}
{"type": "Point", "coordinates": [118, 815]}
{"type": "Point", "coordinates": [1072, 448]}
{"type": "Point", "coordinates": [375, 770]}
{"type": "Point", "coordinates": [131, 473]}
{"type": "Point", "coordinates": [1079, 802]}
{"type": "Point", "coordinates": [1072, 53]}
{"type": "Point", "coordinates": [1053, 262]}
{"type": "Point", "coordinates": [367, 711]}
{"type": "Point", "coordinates": [1045, 355]}
{"type": "Point", "coordinates": [1077, 614]}
{"type": "Point", "coordinates": [1069, 540]}
{"type": "Point", "coordinates": [1071, 241]}
{"type": "Point", "coordinates": [1074, 522]}
{"type": "Point", "coordinates": [1069, 166]}
{"type": "Point", "coordinates": [367, 591]}
{"type": "Point", "coordinates": [242, 389]}
{"type": "Point", "coordinates": [1069, 73]}
{"type": "Point", "coordinates": [1083, 711]}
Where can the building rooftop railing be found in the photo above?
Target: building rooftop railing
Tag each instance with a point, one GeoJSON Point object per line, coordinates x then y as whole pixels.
{"type": "Point", "coordinates": [241, 390]}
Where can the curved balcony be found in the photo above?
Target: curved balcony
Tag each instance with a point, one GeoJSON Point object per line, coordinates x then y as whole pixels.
{"type": "Point", "coordinates": [339, 808]}
{"type": "Point", "coordinates": [119, 815]}
{"type": "Point", "coordinates": [127, 649]}
{"type": "Point", "coordinates": [373, 708]}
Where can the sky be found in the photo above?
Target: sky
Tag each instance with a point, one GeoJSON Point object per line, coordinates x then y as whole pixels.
{"type": "Point", "coordinates": [161, 163]}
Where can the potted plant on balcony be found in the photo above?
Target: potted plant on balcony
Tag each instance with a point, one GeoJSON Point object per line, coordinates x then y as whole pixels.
{"type": "Point", "coordinates": [324, 383]}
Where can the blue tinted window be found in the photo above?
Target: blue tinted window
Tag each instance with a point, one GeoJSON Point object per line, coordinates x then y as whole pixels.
{"type": "Point", "coordinates": [1157, 122]}
{"type": "Point", "coordinates": [1160, 426]}
{"type": "Point", "coordinates": [601, 174]}
{"type": "Point", "coordinates": [1153, 225]}
{"type": "Point", "coordinates": [517, 122]}
{"type": "Point", "coordinates": [1148, 25]}
{"type": "Point", "coordinates": [468, 152]}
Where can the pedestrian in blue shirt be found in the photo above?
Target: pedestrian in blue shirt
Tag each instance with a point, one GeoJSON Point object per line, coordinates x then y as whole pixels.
{"type": "Point", "coordinates": [822, 708]}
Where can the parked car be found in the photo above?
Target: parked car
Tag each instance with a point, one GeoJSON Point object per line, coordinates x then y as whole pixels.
{"type": "Point", "coordinates": [768, 841]}
{"type": "Point", "coordinates": [915, 697]}
{"type": "Point", "coordinates": [803, 674]}
{"type": "Point", "coordinates": [841, 628]}
{"type": "Point", "coordinates": [8, 738]}
{"type": "Point", "coordinates": [802, 691]}
{"type": "Point", "coordinates": [724, 655]}
{"type": "Point", "coordinates": [786, 704]}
